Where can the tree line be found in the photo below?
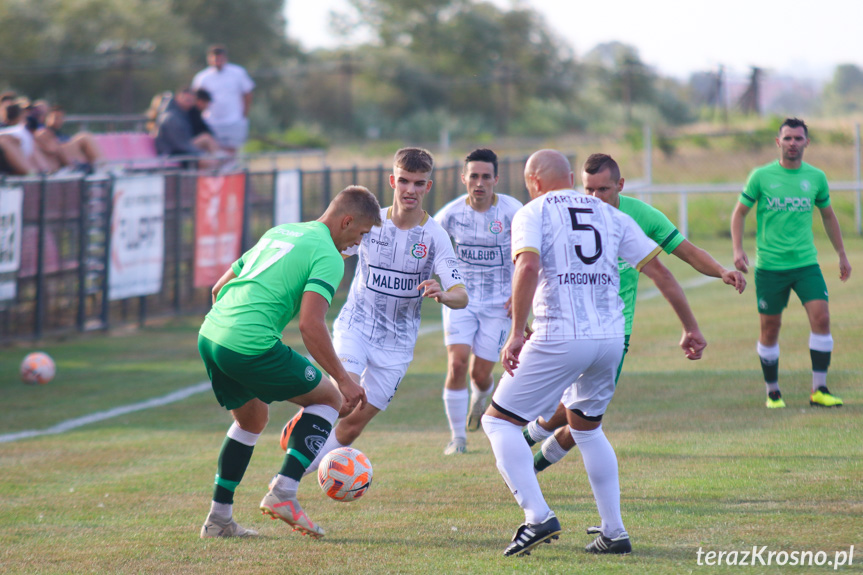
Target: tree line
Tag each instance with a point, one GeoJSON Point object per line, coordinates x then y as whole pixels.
{"type": "Point", "coordinates": [466, 67]}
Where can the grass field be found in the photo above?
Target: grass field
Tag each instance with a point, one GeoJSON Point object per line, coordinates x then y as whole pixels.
{"type": "Point", "coordinates": [703, 464]}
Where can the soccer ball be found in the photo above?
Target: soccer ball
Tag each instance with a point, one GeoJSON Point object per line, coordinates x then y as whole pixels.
{"type": "Point", "coordinates": [37, 367]}
{"type": "Point", "coordinates": [345, 474]}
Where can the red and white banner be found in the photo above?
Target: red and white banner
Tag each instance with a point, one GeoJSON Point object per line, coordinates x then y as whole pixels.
{"type": "Point", "coordinates": [137, 237]}
{"type": "Point", "coordinates": [218, 226]}
{"type": "Point", "coordinates": [10, 240]}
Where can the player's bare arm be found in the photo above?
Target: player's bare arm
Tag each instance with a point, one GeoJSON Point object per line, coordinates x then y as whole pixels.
{"type": "Point", "coordinates": [738, 217]}
{"type": "Point", "coordinates": [692, 342]}
{"type": "Point", "coordinates": [702, 262]}
{"type": "Point", "coordinates": [831, 226]}
{"type": "Point", "coordinates": [226, 277]}
{"type": "Point", "coordinates": [525, 278]}
{"type": "Point", "coordinates": [455, 298]}
{"type": "Point", "coordinates": [316, 338]}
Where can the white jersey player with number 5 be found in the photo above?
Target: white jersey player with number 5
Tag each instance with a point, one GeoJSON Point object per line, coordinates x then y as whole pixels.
{"type": "Point", "coordinates": [565, 245]}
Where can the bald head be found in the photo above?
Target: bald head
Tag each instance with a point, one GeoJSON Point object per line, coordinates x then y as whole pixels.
{"type": "Point", "coordinates": [547, 171]}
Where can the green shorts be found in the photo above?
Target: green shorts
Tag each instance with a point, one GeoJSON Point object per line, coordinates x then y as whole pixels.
{"type": "Point", "coordinates": [773, 288]}
{"type": "Point", "coordinates": [278, 374]}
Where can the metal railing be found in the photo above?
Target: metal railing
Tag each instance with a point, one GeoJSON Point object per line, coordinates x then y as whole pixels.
{"type": "Point", "coordinates": [61, 284]}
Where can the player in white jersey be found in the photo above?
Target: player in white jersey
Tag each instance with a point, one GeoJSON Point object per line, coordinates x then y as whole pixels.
{"type": "Point", "coordinates": [376, 330]}
{"type": "Point", "coordinates": [566, 246]}
{"type": "Point", "coordinates": [479, 224]}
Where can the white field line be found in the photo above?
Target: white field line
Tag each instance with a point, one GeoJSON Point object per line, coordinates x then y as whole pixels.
{"type": "Point", "coordinates": [108, 414]}
{"type": "Point", "coordinates": [205, 385]}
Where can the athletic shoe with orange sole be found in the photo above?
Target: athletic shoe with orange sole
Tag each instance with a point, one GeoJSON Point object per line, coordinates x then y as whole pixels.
{"type": "Point", "coordinates": [289, 511]}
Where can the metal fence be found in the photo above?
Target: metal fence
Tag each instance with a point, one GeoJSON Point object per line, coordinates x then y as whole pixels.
{"type": "Point", "coordinates": [62, 285]}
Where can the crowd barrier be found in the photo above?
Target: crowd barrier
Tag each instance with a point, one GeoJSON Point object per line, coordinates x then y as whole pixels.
{"type": "Point", "coordinates": [103, 251]}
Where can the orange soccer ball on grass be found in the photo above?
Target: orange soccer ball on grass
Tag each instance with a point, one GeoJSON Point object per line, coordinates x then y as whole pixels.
{"type": "Point", "coordinates": [37, 367]}
{"type": "Point", "coordinates": [345, 474]}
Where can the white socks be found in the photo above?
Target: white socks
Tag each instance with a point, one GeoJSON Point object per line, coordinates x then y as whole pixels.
{"type": "Point", "coordinates": [455, 403]}
{"type": "Point", "coordinates": [223, 511]}
{"type": "Point", "coordinates": [240, 435]}
{"type": "Point", "coordinates": [480, 394]}
{"type": "Point", "coordinates": [536, 432]}
{"type": "Point", "coordinates": [552, 451]}
{"type": "Point", "coordinates": [515, 463]}
{"type": "Point", "coordinates": [600, 462]}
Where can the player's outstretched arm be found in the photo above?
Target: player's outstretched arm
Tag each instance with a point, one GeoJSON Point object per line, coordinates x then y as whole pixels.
{"type": "Point", "coordinates": [738, 217]}
{"type": "Point", "coordinates": [831, 226]}
{"type": "Point", "coordinates": [692, 342]}
{"type": "Point", "coordinates": [525, 278]}
{"type": "Point", "coordinates": [455, 298]}
{"type": "Point", "coordinates": [226, 277]}
{"type": "Point", "coordinates": [703, 262]}
{"type": "Point", "coordinates": [316, 338]}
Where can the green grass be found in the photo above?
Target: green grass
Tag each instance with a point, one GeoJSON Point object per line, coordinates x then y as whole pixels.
{"type": "Point", "coordinates": [702, 463]}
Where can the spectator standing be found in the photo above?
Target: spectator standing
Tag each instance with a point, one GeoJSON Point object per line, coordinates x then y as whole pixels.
{"type": "Point", "coordinates": [231, 89]}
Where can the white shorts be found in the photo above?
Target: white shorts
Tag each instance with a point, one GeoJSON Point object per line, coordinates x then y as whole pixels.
{"type": "Point", "coordinates": [547, 371]}
{"type": "Point", "coordinates": [232, 135]}
{"type": "Point", "coordinates": [484, 329]}
{"type": "Point", "coordinates": [380, 370]}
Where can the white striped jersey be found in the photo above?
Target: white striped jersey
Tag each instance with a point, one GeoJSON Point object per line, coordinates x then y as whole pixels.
{"type": "Point", "coordinates": [578, 239]}
{"type": "Point", "coordinates": [384, 302]}
{"type": "Point", "coordinates": [483, 243]}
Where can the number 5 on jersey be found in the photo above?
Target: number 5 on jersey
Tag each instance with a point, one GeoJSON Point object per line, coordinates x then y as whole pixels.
{"type": "Point", "coordinates": [576, 226]}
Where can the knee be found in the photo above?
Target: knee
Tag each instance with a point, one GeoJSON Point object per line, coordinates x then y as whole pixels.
{"type": "Point", "coordinates": [330, 395]}
{"type": "Point", "coordinates": [821, 323]}
{"type": "Point", "coordinates": [458, 366]}
{"type": "Point", "coordinates": [481, 377]}
{"type": "Point", "coordinates": [348, 432]}
{"type": "Point", "coordinates": [254, 422]}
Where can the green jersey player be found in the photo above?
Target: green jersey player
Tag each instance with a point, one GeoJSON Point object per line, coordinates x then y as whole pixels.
{"type": "Point", "coordinates": [785, 193]}
{"type": "Point", "coordinates": [601, 178]}
{"type": "Point", "coordinates": [293, 270]}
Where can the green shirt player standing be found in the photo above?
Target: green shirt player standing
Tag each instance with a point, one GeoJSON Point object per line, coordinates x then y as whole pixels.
{"type": "Point", "coordinates": [785, 193]}
{"type": "Point", "coordinates": [293, 270]}
{"type": "Point", "coordinates": [601, 178]}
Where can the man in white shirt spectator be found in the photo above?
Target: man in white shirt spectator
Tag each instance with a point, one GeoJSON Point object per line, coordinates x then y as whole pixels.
{"type": "Point", "coordinates": [231, 89]}
{"type": "Point", "coordinates": [18, 136]}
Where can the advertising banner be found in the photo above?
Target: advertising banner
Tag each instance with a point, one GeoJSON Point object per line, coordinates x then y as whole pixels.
{"type": "Point", "coordinates": [10, 240]}
{"type": "Point", "coordinates": [137, 237]}
{"type": "Point", "coordinates": [289, 205]}
{"type": "Point", "coordinates": [218, 226]}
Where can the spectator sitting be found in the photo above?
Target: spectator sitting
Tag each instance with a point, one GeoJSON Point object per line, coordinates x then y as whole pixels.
{"type": "Point", "coordinates": [175, 134]}
{"type": "Point", "coordinates": [12, 160]}
{"type": "Point", "coordinates": [22, 134]}
{"type": "Point", "coordinates": [196, 112]}
{"type": "Point", "coordinates": [6, 98]}
{"type": "Point", "coordinates": [79, 152]}
{"type": "Point", "coordinates": [157, 107]}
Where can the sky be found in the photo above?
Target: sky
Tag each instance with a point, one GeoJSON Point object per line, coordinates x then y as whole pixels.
{"type": "Point", "coordinates": [804, 38]}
